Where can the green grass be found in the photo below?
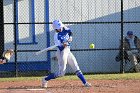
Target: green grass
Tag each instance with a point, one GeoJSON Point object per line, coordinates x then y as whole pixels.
{"type": "Point", "coordinates": [126, 76]}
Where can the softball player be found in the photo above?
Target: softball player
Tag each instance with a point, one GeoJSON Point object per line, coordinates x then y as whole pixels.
{"type": "Point", "coordinates": [63, 39]}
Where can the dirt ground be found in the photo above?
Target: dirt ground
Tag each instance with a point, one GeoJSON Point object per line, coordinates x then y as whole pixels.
{"type": "Point", "coordinates": [70, 86]}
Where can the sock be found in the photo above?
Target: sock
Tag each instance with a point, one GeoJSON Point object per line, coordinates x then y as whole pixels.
{"type": "Point", "coordinates": [50, 76]}
{"type": "Point", "coordinates": [81, 76]}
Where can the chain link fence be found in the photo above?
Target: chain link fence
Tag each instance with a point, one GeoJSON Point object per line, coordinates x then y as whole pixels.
{"type": "Point", "coordinates": [28, 28]}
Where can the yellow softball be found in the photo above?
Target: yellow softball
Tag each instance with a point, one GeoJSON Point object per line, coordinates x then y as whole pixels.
{"type": "Point", "coordinates": [91, 46]}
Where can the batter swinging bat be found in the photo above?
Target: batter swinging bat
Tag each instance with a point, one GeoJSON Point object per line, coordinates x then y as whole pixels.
{"type": "Point", "coordinates": [46, 49]}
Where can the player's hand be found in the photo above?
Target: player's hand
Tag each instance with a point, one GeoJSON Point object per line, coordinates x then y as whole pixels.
{"type": "Point", "coordinates": [65, 44]}
{"type": "Point", "coordinates": [70, 39]}
{"type": "Point", "coordinates": [2, 61]}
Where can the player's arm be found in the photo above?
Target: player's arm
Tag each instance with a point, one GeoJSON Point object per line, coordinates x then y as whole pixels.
{"type": "Point", "coordinates": [67, 41]}
{"type": "Point", "coordinates": [70, 38]}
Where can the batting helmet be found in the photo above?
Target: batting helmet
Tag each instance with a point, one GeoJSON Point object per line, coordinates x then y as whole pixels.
{"type": "Point", "coordinates": [57, 24]}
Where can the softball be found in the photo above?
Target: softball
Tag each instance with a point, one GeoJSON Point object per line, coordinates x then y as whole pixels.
{"type": "Point", "coordinates": [92, 46]}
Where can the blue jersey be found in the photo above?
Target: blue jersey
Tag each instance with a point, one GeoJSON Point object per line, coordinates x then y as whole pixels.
{"type": "Point", "coordinates": [63, 38]}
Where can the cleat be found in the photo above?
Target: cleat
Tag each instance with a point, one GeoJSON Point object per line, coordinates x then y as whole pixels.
{"type": "Point", "coordinates": [87, 84]}
{"type": "Point", "coordinates": [44, 83]}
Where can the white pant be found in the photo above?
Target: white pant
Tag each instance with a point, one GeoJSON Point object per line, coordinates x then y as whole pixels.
{"type": "Point", "coordinates": [133, 56]}
{"type": "Point", "coordinates": [65, 57]}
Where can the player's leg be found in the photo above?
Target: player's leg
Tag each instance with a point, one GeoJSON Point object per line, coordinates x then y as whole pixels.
{"type": "Point", "coordinates": [52, 75]}
{"type": "Point", "coordinates": [62, 62]}
{"type": "Point", "coordinates": [137, 66]}
{"type": "Point", "coordinates": [74, 65]}
{"type": "Point", "coordinates": [133, 59]}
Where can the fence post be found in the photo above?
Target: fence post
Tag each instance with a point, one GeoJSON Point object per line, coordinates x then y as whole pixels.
{"type": "Point", "coordinates": [15, 37]}
{"type": "Point", "coordinates": [122, 36]}
{"type": "Point", "coordinates": [1, 28]}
